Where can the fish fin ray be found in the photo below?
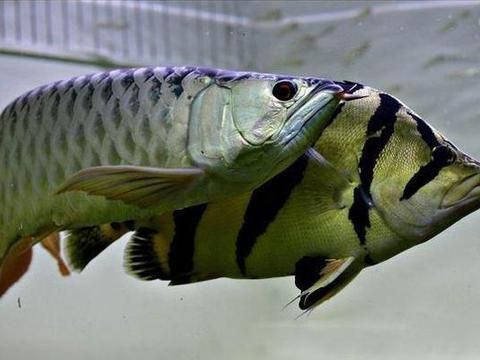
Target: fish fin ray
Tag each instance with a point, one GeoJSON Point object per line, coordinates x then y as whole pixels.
{"type": "Point", "coordinates": [86, 243]}
{"type": "Point", "coordinates": [140, 186]}
{"type": "Point", "coordinates": [141, 259]}
{"type": "Point", "coordinates": [147, 258]}
{"type": "Point", "coordinates": [51, 243]}
{"type": "Point", "coordinates": [15, 264]}
{"type": "Point", "coordinates": [319, 279]}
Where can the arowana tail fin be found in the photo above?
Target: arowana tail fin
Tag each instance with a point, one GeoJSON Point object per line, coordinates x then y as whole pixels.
{"type": "Point", "coordinates": [15, 264]}
{"type": "Point", "coordinates": [19, 257]}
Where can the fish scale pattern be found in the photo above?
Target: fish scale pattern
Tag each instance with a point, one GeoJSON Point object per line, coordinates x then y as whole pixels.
{"type": "Point", "coordinates": [111, 118]}
{"type": "Point", "coordinates": [49, 133]}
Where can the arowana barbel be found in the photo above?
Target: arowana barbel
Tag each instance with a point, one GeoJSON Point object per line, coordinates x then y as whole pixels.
{"type": "Point", "coordinates": [127, 144]}
{"type": "Point", "coordinates": [384, 181]}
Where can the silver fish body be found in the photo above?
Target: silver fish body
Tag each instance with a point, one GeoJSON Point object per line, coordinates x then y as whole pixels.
{"type": "Point", "coordinates": [204, 124]}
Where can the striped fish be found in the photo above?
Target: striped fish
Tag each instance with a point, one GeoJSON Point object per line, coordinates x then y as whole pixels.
{"type": "Point", "coordinates": [383, 181]}
{"type": "Point", "coordinates": [129, 144]}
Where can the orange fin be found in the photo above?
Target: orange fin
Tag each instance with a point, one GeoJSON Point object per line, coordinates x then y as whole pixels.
{"type": "Point", "coordinates": [15, 264]}
{"type": "Point", "coordinates": [52, 244]}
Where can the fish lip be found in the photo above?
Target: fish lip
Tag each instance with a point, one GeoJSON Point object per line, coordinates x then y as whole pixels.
{"type": "Point", "coordinates": [471, 193]}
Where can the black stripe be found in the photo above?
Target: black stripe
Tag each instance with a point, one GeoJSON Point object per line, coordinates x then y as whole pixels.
{"type": "Point", "coordinates": [307, 271]}
{"type": "Point", "coordinates": [182, 249]}
{"type": "Point", "coordinates": [264, 205]}
{"type": "Point", "coordinates": [425, 131]}
{"type": "Point", "coordinates": [426, 174]}
{"type": "Point", "coordinates": [379, 131]}
{"type": "Point", "coordinates": [442, 155]}
{"type": "Point", "coordinates": [359, 215]}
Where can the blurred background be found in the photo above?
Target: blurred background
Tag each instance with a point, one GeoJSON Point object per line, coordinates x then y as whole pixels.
{"type": "Point", "coordinates": [422, 304]}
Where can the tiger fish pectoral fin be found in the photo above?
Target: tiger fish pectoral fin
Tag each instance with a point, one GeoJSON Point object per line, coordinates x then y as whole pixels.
{"type": "Point", "coordinates": [319, 278]}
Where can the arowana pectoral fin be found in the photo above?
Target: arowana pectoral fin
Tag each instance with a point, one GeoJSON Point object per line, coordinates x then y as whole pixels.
{"type": "Point", "coordinates": [141, 186]}
{"type": "Point", "coordinates": [319, 278]}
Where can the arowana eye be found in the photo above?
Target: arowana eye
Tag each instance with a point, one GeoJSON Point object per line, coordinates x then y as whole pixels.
{"type": "Point", "coordinates": [284, 90]}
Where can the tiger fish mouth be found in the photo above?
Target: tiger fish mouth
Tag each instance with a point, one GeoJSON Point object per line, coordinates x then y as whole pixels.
{"type": "Point", "coordinates": [462, 193]}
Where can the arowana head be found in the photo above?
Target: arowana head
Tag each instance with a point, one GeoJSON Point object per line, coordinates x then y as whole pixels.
{"type": "Point", "coordinates": [262, 121]}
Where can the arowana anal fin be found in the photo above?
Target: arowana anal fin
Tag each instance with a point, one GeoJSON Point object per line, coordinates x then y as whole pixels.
{"type": "Point", "coordinates": [319, 279]}
{"type": "Point", "coordinates": [141, 186]}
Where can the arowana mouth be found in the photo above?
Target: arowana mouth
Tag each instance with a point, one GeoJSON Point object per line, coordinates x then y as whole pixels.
{"type": "Point", "coordinates": [462, 192]}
